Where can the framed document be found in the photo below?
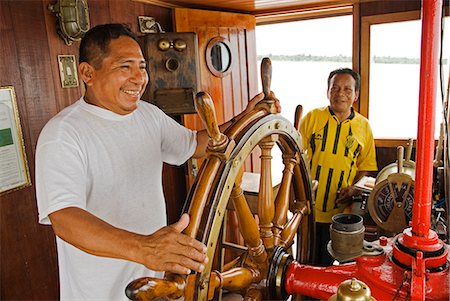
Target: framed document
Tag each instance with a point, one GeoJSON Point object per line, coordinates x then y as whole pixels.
{"type": "Point", "coordinates": [14, 173]}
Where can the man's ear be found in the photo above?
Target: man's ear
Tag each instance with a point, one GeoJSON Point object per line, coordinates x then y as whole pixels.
{"type": "Point", "coordinates": [356, 97]}
{"type": "Point", "coordinates": [86, 72]}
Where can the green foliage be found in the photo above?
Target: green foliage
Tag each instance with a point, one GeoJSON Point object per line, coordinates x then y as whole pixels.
{"type": "Point", "coordinates": [341, 58]}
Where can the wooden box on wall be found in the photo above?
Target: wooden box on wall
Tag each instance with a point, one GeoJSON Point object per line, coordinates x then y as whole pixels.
{"type": "Point", "coordinates": [173, 71]}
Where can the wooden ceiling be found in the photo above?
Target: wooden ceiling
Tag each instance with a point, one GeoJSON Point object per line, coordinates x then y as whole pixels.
{"type": "Point", "coordinates": [254, 7]}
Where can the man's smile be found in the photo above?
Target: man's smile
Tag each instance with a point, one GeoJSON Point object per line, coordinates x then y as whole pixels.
{"type": "Point", "coordinates": [131, 92]}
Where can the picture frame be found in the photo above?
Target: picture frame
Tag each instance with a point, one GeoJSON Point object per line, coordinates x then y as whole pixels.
{"type": "Point", "coordinates": [14, 171]}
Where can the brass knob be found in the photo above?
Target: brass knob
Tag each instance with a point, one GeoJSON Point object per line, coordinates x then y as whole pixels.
{"type": "Point", "coordinates": [179, 45]}
{"type": "Point", "coordinates": [163, 44]}
{"type": "Point", "coordinates": [352, 290]}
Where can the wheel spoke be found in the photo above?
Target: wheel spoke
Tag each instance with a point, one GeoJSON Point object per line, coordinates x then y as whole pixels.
{"type": "Point", "coordinates": [299, 186]}
{"type": "Point", "coordinates": [298, 117]}
{"type": "Point", "coordinates": [247, 224]}
{"type": "Point", "coordinates": [283, 197]}
{"type": "Point", "coordinates": [235, 279]}
{"type": "Point", "coordinates": [291, 227]}
{"type": "Point", "coordinates": [266, 208]}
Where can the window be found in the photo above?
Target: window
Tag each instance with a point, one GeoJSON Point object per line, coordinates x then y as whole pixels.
{"type": "Point", "coordinates": [394, 74]}
{"type": "Point", "coordinates": [303, 53]}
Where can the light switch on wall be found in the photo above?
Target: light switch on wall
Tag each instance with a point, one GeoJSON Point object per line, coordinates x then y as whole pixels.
{"type": "Point", "coordinates": [68, 71]}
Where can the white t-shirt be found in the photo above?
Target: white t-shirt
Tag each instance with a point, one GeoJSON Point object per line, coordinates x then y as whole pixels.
{"type": "Point", "coordinates": [110, 165]}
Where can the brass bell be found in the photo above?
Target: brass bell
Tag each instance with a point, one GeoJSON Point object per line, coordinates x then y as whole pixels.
{"type": "Point", "coordinates": [179, 45]}
{"type": "Point", "coordinates": [352, 290]}
{"type": "Point", "coordinates": [164, 44]}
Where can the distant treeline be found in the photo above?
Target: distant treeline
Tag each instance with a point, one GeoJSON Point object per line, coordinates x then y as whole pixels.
{"type": "Point", "coordinates": [342, 58]}
{"type": "Point", "coordinates": [307, 57]}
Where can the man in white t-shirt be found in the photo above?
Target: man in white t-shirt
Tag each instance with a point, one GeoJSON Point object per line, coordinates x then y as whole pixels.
{"type": "Point", "coordinates": [98, 175]}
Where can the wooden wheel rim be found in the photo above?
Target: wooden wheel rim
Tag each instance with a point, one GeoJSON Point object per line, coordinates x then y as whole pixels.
{"type": "Point", "coordinates": [272, 124]}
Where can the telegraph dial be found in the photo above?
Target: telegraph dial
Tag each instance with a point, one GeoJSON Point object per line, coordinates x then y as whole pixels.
{"type": "Point", "coordinates": [390, 202]}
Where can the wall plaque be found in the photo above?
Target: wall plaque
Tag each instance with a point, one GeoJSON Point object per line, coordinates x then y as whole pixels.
{"type": "Point", "coordinates": [14, 173]}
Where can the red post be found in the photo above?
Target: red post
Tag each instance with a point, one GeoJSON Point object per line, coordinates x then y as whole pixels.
{"type": "Point", "coordinates": [429, 59]}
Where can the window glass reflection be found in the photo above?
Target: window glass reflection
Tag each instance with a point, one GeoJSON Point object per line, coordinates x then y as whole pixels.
{"type": "Point", "coordinates": [395, 77]}
{"type": "Point", "coordinates": [220, 57]}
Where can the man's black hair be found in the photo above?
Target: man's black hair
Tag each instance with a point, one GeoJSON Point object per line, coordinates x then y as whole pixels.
{"type": "Point", "coordinates": [94, 46]}
{"type": "Point", "coordinates": [354, 74]}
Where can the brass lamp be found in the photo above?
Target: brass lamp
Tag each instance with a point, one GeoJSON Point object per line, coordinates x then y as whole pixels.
{"type": "Point", "coordinates": [73, 19]}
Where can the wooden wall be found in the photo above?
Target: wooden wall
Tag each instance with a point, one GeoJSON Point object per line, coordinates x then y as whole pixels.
{"type": "Point", "coordinates": [29, 47]}
{"type": "Point", "coordinates": [388, 6]}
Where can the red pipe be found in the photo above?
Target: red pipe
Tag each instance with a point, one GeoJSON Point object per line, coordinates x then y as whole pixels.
{"type": "Point", "coordinates": [431, 29]}
{"type": "Point", "coordinates": [386, 280]}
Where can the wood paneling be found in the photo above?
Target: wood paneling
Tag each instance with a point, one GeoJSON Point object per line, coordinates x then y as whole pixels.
{"type": "Point", "coordinates": [388, 6]}
{"type": "Point", "coordinates": [230, 93]}
{"type": "Point", "coordinates": [27, 249]}
{"type": "Point", "coordinates": [254, 7]}
{"type": "Point", "coordinates": [29, 47]}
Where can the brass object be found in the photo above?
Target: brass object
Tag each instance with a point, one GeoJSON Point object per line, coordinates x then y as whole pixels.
{"type": "Point", "coordinates": [352, 290]}
{"type": "Point", "coordinates": [390, 202]}
{"type": "Point", "coordinates": [165, 44]}
{"type": "Point", "coordinates": [219, 58]}
{"type": "Point", "coordinates": [179, 45]}
{"type": "Point", "coordinates": [68, 71]}
{"type": "Point", "coordinates": [347, 236]}
{"type": "Point", "coordinates": [148, 25]}
{"type": "Point", "coordinates": [406, 166]}
{"type": "Point", "coordinates": [73, 19]}
{"type": "Point", "coordinates": [347, 239]}
{"type": "Point", "coordinates": [173, 63]}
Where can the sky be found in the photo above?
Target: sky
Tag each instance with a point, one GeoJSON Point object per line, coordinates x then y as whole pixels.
{"type": "Point", "coordinates": [297, 37]}
{"type": "Point", "coordinates": [332, 36]}
{"type": "Point", "coordinates": [401, 39]}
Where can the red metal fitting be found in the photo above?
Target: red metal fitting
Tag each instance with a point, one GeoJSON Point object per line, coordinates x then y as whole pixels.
{"type": "Point", "coordinates": [419, 238]}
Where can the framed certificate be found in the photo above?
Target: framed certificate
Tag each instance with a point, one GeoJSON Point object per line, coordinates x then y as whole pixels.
{"type": "Point", "coordinates": [14, 173]}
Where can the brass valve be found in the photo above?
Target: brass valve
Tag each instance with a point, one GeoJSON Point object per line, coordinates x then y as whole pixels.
{"type": "Point", "coordinates": [352, 290]}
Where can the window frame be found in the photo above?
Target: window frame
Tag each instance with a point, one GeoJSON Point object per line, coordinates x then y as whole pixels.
{"type": "Point", "coordinates": [361, 45]}
{"type": "Point", "coordinates": [305, 14]}
{"type": "Point", "coordinates": [366, 23]}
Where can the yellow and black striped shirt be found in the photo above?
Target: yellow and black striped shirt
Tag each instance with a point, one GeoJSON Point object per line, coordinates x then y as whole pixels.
{"type": "Point", "coordinates": [336, 151]}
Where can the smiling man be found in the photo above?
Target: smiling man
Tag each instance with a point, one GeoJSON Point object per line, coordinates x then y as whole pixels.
{"type": "Point", "coordinates": [340, 148]}
{"type": "Point", "coordinates": [99, 175]}
{"type": "Point", "coordinates": [117, 82]}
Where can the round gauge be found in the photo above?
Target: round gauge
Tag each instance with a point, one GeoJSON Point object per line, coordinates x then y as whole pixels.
{"type": "Point", "coordinates": [390, 203]}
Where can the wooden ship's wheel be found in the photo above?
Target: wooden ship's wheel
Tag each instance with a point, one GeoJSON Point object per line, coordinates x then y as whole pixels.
{"type": "Point", "coordinates": [218, 185]}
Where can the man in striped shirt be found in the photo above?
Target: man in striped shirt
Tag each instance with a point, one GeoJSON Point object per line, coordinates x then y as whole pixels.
{"type": "Point", "coordinates": [340, 148]}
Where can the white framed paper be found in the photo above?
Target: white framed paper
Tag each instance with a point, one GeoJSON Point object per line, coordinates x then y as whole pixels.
{"type": "Point", "coordinates": [14, 172]}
